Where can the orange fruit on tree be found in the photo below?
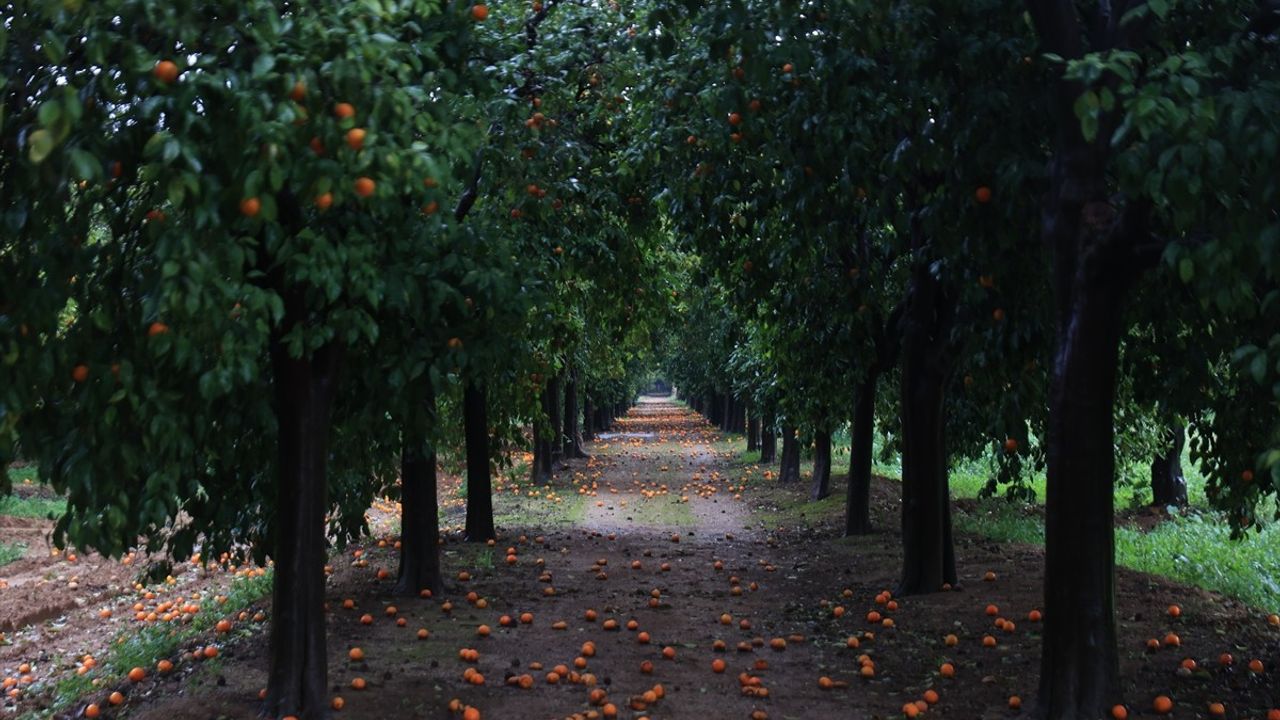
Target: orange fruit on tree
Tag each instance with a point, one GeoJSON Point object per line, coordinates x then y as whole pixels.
{"type": "Point", "coordinates": [982, 194]}
{"type": "Point", "coordinates": [344, 111]}
{"type": "Point", "coordinates": [364, 187]}
{"type": "Point", "coordinates": [355, 138]}
{"type": "Point", "coordinates": [250, 207]}
{"type": "Point", "coordinates": [324, 201]}
{"type": "Point", "coordinates": [298, 92]}
{"type": "Point", "coordinates": [166, 71]}
{"type": "Point", "coordinates": [479, 12]}
{"type": "Point", "coordinates": [157, 328]}
{"type": "Point", "coordinates": [80, 373]}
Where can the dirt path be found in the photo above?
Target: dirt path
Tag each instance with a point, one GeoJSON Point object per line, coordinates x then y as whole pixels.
{"type": "Point", "coordinates": [713, 561]}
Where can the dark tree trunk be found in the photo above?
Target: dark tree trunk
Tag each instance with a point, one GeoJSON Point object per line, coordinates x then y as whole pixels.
{"type": "Point", "coordinates": [540, 472]}
{"type": "Point", "coordinates": [1079, 663]}
{"type": "Point", "coordinates": [556, 442]}
{"type": "Point", "coordinates": [572, 434]}
{"type": "Point", "coordinates": [420, 511]}
{"type": "Point", "coordinates": [857, 515]}
{"type": "Point", "coordinates": [928, 555]}
{"type": "Point", "coordinates": [753, 432]}
{"type": "Point", "coordinates": [1168, 484]}
{"type": "Point", "coordinates": [475, 421]}
{"type": "Point", "coordinates": [715, 404]}
{"type": "Point", "coordinates": [304, 391]}
{"type": "Point", "coordinates": [821, 465]}
{"type": "Point", "coordinates": [726, 414]}
{"type": "Point", "coordinates": [790, 470]}
{"type": "Point", "coordinates": [588, 421]}
{"type": "Point", "coordinates": [768, 442]}
{"type": "Point", "coordinates": [739, 417]}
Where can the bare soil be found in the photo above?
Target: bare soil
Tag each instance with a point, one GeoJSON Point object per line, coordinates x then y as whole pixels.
{"type": "Point", "coordinates": [675, 513]}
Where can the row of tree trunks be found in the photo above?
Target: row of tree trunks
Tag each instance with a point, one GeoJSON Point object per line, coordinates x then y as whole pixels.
{"type": "Point", "coordinates": [572, 434]}
{"type": "Point", "coordinates": [753, 431]}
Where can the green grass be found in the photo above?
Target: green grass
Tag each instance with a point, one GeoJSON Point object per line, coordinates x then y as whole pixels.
{"type": "Point", "coordinates": [32, 507]}
{"type": "Point", "coordinates": [9, 552]}
{"type": "Point", "coordinates": [663, 510]}
{"type": "Point", "coordinates": [24, 474]}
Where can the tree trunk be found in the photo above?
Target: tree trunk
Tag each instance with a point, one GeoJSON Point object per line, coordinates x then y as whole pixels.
{"type": "Point", "coordinates": [304, 391]}
{"type": "Point", "coordinates": [739, 417]}
{"type": "Point", "coordinates": [768, 442]}
{"type": "Point", "coordinates": [928, 555]}
{"type": "Point", "coordinates": [1168, 484]}
{"type": "Point", "coordinates": [588, 422]}
{"type": "Point", "coordinates": [753, 431]}
{"type": "Point", "coordinates": [857, 515]}
{"type": "Point", "coordinates": [726, 414]}
{"type": "Point", "coordinates": [475, 422]}
{"type": "Point", "coordinates": [556, 443]}
{"type": "Point", "coordinates": [572, 433]}
{"type": "Point", "coordinates": [540, 472]}
{"type": "Point", "coordinates": [821, 465]}
{"type": "Point", "coordinates": [1079, 663]}
{"type": "Point", "coordinates": [420, 511]}
{"type": "Point", "coordinates": [790, 470]}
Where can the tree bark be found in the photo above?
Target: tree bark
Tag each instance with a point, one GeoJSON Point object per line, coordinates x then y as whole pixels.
{"type": "Point", "coordinates": [1168, 484]}
{"type": "Point", "coordinates": [540, 471]}
{"type": "Point", "coordinates": [475, 421]}
{"type": "Point", "coordinates": [572, 434]}
{"type": "Point", "coordinates": [556, 442]}
{"type": "Point", "coordinates": [1079, 663]}
{"type": "Point", "coordinates": [768, 442]}
{"type": "Point", "coordinates": [928, 555]}
{"type": "Point", "coordinates": [739, 416]}
{"type": "Point", "coordinates": [420, 511]}
{"type": "Point", "coordinates": [821, 465]}
{"type": "Point", "coordinates": [304, 392]}
{"type": "Point", "coordinates": [857, 516]}
{"type": "Point", "coordinates": [753, 431]}
{"type": "Point", "coordinates": [588, 422]}
{"type": "Point", "coordinates": [790, 470]}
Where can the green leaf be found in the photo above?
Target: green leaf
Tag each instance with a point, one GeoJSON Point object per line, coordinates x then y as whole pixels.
{"type": "Point", "coordinates": [39, 145]}
{"type": "Point", "coordinates": [263, 65]}
{"type": "Point", "coordinates": [1186, 269]}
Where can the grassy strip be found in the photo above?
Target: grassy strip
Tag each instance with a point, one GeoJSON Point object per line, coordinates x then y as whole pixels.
{"type": "Point", "coordinates": [10, 552]}
{"type": "Point", "coordinates": [32, 507]}
{"type": "Point", "coordinates": [143, 647]}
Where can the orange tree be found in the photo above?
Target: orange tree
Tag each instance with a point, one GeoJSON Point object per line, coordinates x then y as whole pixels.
{"type": "Point", "coordinates": [233, 212]}
{"type": "Point", "coordinates": [1162, 162]}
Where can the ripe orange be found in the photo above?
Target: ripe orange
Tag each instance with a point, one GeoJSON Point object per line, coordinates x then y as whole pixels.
{"type": "Point", "coordinates": [116, 698]}
{"type": "Point", "coordinates": [358, 683]}
{"type": "Point", "coordinates": [717, 665]}
{"type": "Point", "coordinates": [137, 674]}
{"type": "Point", "coordinates": [324, 201]}
{"type": "Point", "coordinates": [356, 654]}
{"type": "Point", "coordinates": [1217, 709]}
{"type": "Point", "coordinates": [355, 138]}
{"type": "Point", "coordinates": [164, 666]}
{"type": "Point", "coordinates": [1175, 611]}
{"type": "Point", "coordinates": [1015, 702]}
{"type": "Point", "coordinates": [1119, 712]}
{"type": "Point", "coordinates": [80, 373]}
{"type": "Point", "coordinates": [479, 13]}
{"type": "Point", "coordinates": [92, 711]}
{"type": "Point", "coordinates": [982, 194]}
{"type": "Point", "coordinates": [1162, 705]}
{"type": "Point", "coordinates": [298, 92]}
{"type": "Point", "coordinates": [1034, 616]}
{"type": "Point", "coordinates": [364, 187]}
{"type": "Point", "coordinates": [947, 670]}
{"type": "Point", "coordinates": [166, 71]}
{"type": "Point", "coordinates": [735, 119]}
{"type": "Point", "coordinates": [338, 703]}
{"type": "Point", "coordinates": [223, 626]}
{"type": "Point", "coordinates": [1247, 476]}
{"type": "Point", "coordinates": [250, 207]}
{"type": "Point", "coordinates": [344, 111]}
{"type": "Point", "coordinates": [1255, 666]}
{"type": "Point", "coordinates": [157, 328]}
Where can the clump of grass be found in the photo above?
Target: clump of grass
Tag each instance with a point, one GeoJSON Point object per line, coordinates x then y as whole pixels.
{"type": "Point", "coordinates": [32, 507]}
{"type": "Point", "coordinates": [10, 552]}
